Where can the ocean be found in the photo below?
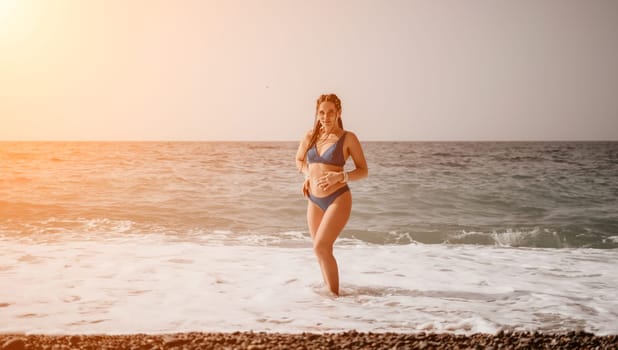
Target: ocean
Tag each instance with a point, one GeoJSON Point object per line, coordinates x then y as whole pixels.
{"type": "Point", "coordinates": [158, 237]}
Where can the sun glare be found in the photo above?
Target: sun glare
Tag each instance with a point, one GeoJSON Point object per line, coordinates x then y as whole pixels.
{"type": "Point", "coordinates": [7, 11]}
{"type": "Point", "coordinates": [17, 18]}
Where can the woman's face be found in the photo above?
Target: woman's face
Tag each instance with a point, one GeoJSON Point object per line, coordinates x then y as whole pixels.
{"type": "Point", "coordinates": [328, 115]}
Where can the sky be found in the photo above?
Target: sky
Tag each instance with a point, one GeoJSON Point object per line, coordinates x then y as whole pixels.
{"type": "Point", "coordinates": [252, 70]}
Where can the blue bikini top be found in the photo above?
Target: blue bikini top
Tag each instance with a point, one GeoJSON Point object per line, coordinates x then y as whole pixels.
{"type": "Point", "coordinates": [333, 155]}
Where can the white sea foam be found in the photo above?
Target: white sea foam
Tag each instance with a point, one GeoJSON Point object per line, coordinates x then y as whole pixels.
{"type": "Point", "coordinates": [511, 238]}
{"type": "Point", "coordinates": [157, 283]}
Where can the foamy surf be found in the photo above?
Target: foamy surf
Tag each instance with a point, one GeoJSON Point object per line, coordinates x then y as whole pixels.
{"type": "Point", "coordinates": [158, 284]}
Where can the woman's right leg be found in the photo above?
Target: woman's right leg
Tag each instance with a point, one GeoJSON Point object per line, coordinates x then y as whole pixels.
{"type": "Point", "coordinates": [314, 218]}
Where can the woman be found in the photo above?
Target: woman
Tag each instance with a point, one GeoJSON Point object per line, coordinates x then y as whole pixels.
{"type": "Point", "coordinates": [321, 156]}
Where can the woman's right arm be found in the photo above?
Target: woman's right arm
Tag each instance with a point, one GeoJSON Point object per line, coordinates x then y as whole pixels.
{"type": "Point", "coordinates": [301, 161]}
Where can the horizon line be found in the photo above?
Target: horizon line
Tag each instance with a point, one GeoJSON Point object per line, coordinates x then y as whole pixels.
{"type": "Point", "coordinates": [287, 141]}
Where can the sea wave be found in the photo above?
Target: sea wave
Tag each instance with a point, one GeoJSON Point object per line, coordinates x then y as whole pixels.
{"type": "Point", "coordinates": [59, 229]}
{"type": "Point", "coordinates": [479, 193]}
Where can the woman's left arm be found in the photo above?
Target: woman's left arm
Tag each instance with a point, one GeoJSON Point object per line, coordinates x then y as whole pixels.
{"type": "Point", "coordinates": [356, 152]}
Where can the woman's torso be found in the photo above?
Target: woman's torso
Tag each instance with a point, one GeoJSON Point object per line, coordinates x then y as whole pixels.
{"type": "Point", "coordinates": [325, 157]}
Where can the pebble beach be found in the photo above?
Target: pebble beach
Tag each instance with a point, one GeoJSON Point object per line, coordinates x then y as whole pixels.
{"type": "Point", "coordinates": [343, 340]}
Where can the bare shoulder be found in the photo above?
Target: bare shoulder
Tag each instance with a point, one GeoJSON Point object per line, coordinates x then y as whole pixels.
{"type": "Point", "coordinates": [306, 137]}
{"type": "Point", "coordinates": [351, 138]}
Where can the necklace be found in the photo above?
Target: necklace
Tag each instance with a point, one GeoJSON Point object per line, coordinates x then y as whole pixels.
{"type": "Point", "coordinates": [324, 139]}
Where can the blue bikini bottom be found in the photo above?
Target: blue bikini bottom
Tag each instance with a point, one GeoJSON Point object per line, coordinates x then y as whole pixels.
{"type": "Point", "coordinates": [325, 202]}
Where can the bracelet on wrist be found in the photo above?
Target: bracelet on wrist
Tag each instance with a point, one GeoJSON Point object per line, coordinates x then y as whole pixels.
{"type": "Point", "coordinates": [345, 178]}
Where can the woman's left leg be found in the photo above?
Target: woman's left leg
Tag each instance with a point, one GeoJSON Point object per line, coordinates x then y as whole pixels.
{"type": "Point", "coordinates": [333, 221]}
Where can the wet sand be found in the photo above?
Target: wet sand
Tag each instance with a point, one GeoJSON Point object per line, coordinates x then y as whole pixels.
{"type": "Point", "coordinates": [344, 340]}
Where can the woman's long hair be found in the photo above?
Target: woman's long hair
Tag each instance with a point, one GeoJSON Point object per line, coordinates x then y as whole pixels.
{"type": "Point", "coordinates": [317, 126]}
